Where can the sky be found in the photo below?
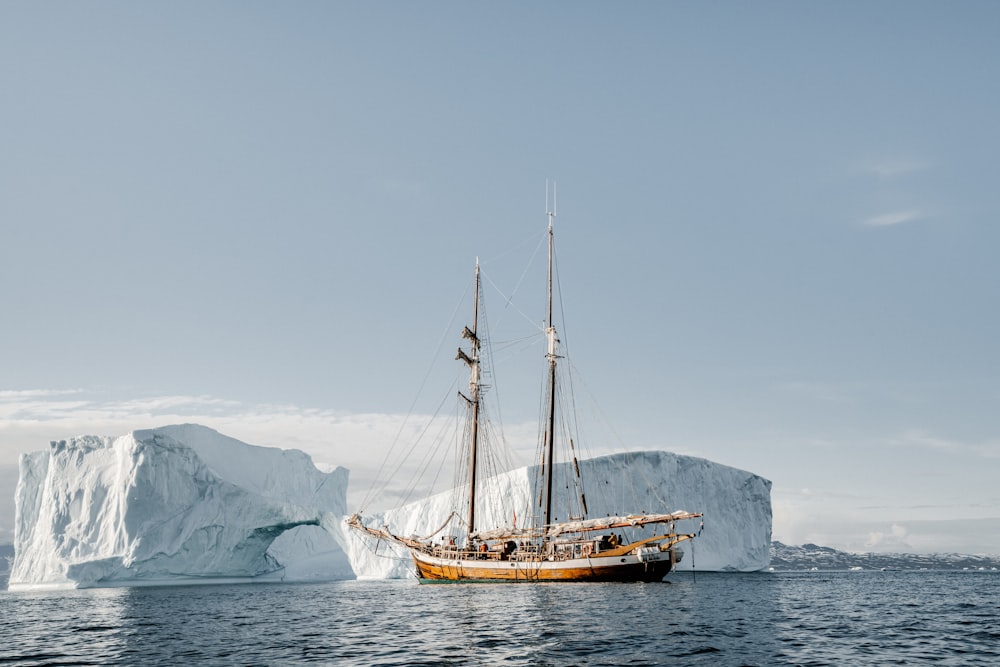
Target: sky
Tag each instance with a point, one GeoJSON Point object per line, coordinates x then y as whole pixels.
{"type": "Point", "coordinates": [777, 229]}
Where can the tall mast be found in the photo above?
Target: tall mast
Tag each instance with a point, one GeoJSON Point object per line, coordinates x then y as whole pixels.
{"type": "Point", "coordinates": [473, 399]}
{"type": "Point", "coordinates": [550, 332]}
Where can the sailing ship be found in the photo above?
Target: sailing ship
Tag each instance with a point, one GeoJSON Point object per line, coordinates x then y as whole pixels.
{"type": "Point", "coordinates": [576, 550]}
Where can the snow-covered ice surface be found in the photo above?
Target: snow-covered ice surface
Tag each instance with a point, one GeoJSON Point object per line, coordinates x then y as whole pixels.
{"type": "Point", "coordinates": [736, 505]}
{"type": "Point", "coordinates": [178, 504]}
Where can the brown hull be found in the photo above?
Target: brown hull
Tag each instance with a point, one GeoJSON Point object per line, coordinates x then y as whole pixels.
{"type": "Point", "coordinates": [625, 569]}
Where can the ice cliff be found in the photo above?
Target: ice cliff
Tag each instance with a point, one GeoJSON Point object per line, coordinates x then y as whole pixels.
{"type": "Point", "coordinates": [179, 504]}
{"type": "Point", "coordinates": [736, 505]}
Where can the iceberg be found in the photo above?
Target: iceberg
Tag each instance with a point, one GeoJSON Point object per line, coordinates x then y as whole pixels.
{"type": "Point", "coordinates": [736, 504]}
{"type": "Point", "coordinates": [185, 504]}
{"type": "Point", "coordinates": [178, 504]}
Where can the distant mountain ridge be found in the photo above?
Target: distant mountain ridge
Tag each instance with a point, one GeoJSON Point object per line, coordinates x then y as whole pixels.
{"type": "Point", "coordinates": [786, 557]}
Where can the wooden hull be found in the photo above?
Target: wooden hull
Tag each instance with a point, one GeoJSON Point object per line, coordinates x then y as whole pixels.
{"type": "Point", "coordinates": [624, 568]}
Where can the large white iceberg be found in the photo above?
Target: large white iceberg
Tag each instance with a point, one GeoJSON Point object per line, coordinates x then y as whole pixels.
{"type": "Point", "coordinates": [736, 505]}
{"type": "Point", "coordinates": [179, 504]}
{"type": "Point", "coordinates": [185, 504]}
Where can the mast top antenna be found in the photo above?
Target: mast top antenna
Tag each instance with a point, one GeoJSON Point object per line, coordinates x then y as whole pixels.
{"type": "Point", "coordinates": [551, 212]}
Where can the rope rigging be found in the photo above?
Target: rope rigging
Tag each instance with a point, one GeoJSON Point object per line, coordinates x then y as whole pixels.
{"type": "Point", "coordinates": [554, 540]}
{"type": "Point", "coordinates": [374, 490]}
{"type": "Point", "coordinates": [496, 452]}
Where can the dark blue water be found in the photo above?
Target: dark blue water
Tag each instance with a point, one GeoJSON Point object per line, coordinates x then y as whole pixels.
{"type": "Point", "coordinates": [845, 618]}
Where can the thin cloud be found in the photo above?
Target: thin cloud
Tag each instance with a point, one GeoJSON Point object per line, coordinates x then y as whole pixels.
{"type": "Point", "coordinates": [161, 404]}
{"type": "Point", "coordinates": [892, 168]}
{"type": "Point", "coordinates": [77, 406]}
{"type": "Point", "coordinates": [925, 440]}
{"type": "Point", "coordinates": [827, 393]}
{"type": "Point", "coordinates": [988, 449]}
{"type": "Point", "coordinates": [7, 395]}
{"type": "Point", "coordinates": [893, 218]}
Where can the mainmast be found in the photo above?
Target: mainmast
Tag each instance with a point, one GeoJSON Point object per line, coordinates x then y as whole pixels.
{"type": "Point", "coordinates": [472, 399]}
{"type": "Point", "coordinates": [550, 332]}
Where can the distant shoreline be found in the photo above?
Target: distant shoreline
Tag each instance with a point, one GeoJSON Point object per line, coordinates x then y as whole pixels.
{"type": "Point", "coordinates": [788, 558]}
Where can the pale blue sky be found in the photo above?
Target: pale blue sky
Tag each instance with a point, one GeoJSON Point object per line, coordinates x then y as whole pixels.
{"type": "Point", "coordinates": [777, 228]}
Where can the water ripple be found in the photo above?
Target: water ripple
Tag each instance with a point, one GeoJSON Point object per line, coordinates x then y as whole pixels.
{"type": "Point", "coordinates": [866, 618]}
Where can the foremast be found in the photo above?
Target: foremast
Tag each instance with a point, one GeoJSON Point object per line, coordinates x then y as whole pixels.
{"type": "Point", "coordinates": [473, 399]}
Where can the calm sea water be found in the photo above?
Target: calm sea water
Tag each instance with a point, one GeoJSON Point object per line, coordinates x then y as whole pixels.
{"type": "Point", "coordinates": [844, 618]}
